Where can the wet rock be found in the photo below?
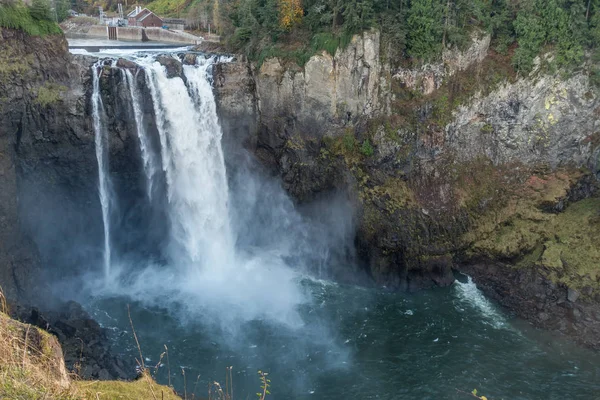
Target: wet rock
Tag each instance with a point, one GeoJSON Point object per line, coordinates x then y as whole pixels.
{"type": "Point", "coordinates": [172, 65]}
{"type": "Point", "coordinates": [85, 344]}
{"type": "Point", "coordinates": [189, 59]}
{"type": "Point", "coordinates": [123, 63]}
{"type": "Point", "coordinates": [572, 295]}
{"type": "Point", "coordinates": [517, 289]}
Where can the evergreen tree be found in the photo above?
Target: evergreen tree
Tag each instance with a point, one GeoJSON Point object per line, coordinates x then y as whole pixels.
{"type": "Point", "coordinates": [358, 15]}
{"type": "Point", "coordinates": [425, 29]}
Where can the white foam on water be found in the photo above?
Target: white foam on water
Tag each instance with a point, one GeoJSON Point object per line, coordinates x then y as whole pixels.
{"type": "Point", "coordinates": [470, 294]}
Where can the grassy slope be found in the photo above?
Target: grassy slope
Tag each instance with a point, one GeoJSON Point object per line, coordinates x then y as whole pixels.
{"type": "Point", "coordinates": [18, 17]}
{"type": "Point", "coordinates": [31, 364]}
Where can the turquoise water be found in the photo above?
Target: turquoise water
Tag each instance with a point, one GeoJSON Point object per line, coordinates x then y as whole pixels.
{"type": "Point", "coordinates": [359, 343]}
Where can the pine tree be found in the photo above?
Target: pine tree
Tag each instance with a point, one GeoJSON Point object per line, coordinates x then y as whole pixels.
{"type": "Point", "coordinates": [425, 29]}
{"type": "Point", "coordinates": [529, 28]}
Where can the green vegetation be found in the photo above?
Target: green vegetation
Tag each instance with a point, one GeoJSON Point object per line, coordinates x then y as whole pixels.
{"type": "Point", "coordinates": [143, 388]}
{"type": "Point", "coordinates": [415, 31]}
{"type": "Point", "coordinates": [517, 224]}
{"type": "Point", "coordinates": [49, 94]}
{"type": "Point", "coordinates": [35, 20]}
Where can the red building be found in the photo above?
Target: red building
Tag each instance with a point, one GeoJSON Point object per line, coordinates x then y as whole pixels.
{"type": "Point", "coordinates": [144, 18]}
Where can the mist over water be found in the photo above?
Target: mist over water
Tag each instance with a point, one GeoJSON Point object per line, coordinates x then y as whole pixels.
{"type": "Point", "coordinates": [237, 248]}
{"type": "Point", "coordinates": [243, 281]}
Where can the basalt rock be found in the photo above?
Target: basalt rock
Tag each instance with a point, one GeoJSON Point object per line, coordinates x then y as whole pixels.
{"type": "Point", "coordinates": [531, 295]}
{"type": "Point", "coordinates": [467, 148]}
{"type": "Point", "coordinates": [173, 66]}
{"type": "Point", "coordinates": [50, 219]}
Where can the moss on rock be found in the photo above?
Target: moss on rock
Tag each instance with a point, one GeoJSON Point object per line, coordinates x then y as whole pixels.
{"type": "Point", "coordinates": [50, 93]}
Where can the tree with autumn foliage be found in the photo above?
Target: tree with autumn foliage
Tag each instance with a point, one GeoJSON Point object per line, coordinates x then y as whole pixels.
{"type": "Point", "coordinates": [290, 13]}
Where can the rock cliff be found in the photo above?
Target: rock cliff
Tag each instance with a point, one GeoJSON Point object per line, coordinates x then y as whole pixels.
{"type": "Point", "coordinates": [50, 221]}
{"type": "Point", "coordinates": [452, 164]}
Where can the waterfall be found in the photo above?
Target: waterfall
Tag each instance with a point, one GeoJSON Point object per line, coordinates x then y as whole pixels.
{"type": "Point", "coordinates": [194, 166]}
{"type": "Point", "coordinates": [236, 245]}
{"type": "Point", "coordinates": [148, 158]}
{"type": "Point", "coordinates": [101, 140]}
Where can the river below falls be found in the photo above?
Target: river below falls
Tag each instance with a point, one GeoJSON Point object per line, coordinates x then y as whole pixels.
{"type": "Point", "coordinates": [358, 343]}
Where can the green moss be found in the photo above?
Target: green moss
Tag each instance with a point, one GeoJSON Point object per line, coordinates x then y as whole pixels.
{"type": "Point", "coordinates": [11, 62]}
{"type": "Point", "coordinates": [394, 194]}
{"type": "Point", "coordinates": [296, 143]}
{"type": "Point", "coordinates": [366, 148]}
{"type": "Point", "coordinates": [487, 129]}
{"type": "Point", "coordinates": [525, 231]}
{"type": "Point", "coordinates": [49, 94]}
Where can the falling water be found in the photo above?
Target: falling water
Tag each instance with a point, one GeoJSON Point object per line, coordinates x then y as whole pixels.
{"type": "Point", "coordinates": [148, 158]}
{"type": "Point", "coordinates": [101, 140]}
{"type": "Point", "coordinates": [193, 163]}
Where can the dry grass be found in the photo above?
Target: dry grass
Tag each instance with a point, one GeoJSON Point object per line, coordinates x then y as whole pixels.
{"type": "Point", "coordinates": [143, 388]}
{"type": "Point", "coordinates": [31, 363]}
{"type": "Point", "coordinates": [32, 368]}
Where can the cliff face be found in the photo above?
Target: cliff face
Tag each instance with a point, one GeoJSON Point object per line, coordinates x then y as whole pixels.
{"type": "Point", "coordinates": [33, 78]}
{"type": "Point", "coordinates": [451, 164]}
{"type": "Point", "coordinates": [50, 208]}
{"type": "Point", "coordinates": [50, 221]}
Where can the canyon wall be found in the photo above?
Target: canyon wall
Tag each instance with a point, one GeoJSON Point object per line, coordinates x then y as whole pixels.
{"type": "Point", "coordinates": [452, 164]}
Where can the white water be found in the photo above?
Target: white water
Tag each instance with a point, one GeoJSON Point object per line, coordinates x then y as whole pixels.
{"type": "Point", "coordinates": [101, 140]}
{"type": "Point", "coordinates": [469, 293]}
{"type": "Point", "coordinates": [193, 163]}
{"type": "Point", "coordinates": [206, 275]}
{"type": "Point", "coordinates": [148, 159]}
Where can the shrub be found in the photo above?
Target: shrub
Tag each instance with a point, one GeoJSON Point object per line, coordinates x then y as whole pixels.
{"type": "Point", "coordinates": [367, 149]}
{"type": "Point", "coordinates": [40, 10]}
{"type": "Point", "coordinates": [17, 16]}
{"type": "Point", "coordinates": [349, 141]}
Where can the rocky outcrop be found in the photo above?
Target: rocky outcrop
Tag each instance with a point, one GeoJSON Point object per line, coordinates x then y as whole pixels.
{"type": "Point", "coordinates": [32, 80]}
{"type": "Point", "coordinates": [429, 152]}
{"type": "Point", "coordinates": [84, 342]}
{"type": "Point", "coordinates": [531, 295]}
{"type": "Point", "coordinates": [33, 350]}
{"type": "Point", "coordinates": [429, 77]}
{"type": "Point", "coordinates": [542, 119]}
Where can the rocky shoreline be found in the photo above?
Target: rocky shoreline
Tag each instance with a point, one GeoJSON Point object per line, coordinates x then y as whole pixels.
{"type": "Point", "coordinates": [535, 298]}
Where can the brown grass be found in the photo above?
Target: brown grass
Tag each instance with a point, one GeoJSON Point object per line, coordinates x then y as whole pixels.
{"type": "Point", "coordinates": [32, 368]}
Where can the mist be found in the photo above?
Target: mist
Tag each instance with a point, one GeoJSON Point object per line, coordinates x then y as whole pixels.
{"type": "Point", "coordinates": [237, 248]}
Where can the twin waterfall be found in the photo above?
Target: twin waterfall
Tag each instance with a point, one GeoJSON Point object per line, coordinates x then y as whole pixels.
{"type": "Point", "coordinates": [190, 157]}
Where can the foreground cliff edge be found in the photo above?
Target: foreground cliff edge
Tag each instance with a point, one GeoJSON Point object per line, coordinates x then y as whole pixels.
{"type": "Point", "coordinates": [32, 367]}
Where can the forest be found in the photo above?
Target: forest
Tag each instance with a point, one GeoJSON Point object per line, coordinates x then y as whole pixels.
{"type": "Point", "coordinates": [415, 31]}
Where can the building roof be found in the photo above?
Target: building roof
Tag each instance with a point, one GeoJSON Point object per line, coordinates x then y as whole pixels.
{"type": "Point", "coordinates": [142, 14]}
{"type": "Point", "coordinates": [149, 13]}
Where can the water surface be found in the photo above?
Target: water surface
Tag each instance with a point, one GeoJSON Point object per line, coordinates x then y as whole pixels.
{"type": "Point", "coordinates": [361, 343]}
